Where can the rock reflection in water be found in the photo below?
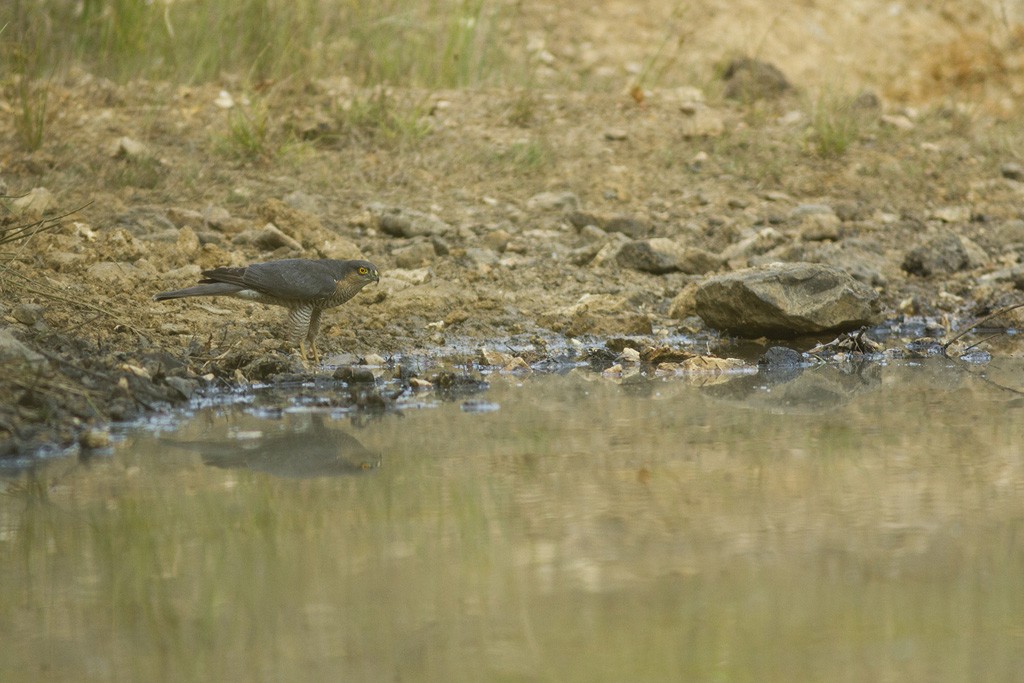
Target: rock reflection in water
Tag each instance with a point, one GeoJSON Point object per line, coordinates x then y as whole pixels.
{"type": "Point", "coordinates": [300, 452]}
{"type": "Point", "coordinates": [800, 389]}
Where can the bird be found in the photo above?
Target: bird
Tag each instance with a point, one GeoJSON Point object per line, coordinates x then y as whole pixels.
{"type": "Point", "coordinates": [306, 287]}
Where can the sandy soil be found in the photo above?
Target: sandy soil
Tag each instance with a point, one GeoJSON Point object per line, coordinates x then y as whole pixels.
{"type": "Point", "coordinates": [493, 214]}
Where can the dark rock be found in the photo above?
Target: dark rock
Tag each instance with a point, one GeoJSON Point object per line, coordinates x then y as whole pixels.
{"type": "Point", "coordinates": [749, 79]}
{"type": "Point", "coordinates": [778, 357]}
{"type": "Point", "coordinates": [627, 225]}
{"type": "Point", "coordinates": [661, 255]}
{"type": "Point", "coordinates": [643, 256]}
{"type": "Point", "coordinates": [186, 388]}
{"type": "Point", "coordinates": [786, 300]}
{"type": "Point", "coordinates": [940, 255]}
{"type": "Point", "coordinates": [581, 219]}
{"type": "Point", "coordinates": [357, 374]}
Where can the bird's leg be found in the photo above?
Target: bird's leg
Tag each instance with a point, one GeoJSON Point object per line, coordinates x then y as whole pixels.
{"type": "Point", "coordinates": [298, 323]}
{"type": "Point", "coordinates": [303, 354]}
{"type": "Point", "coordinates": [311, 332]}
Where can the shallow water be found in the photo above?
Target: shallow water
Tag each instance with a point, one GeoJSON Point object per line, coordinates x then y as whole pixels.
{"type": "Point", "coordinates": [849, 524]}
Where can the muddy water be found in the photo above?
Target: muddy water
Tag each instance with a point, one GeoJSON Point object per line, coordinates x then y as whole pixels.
{"type": "Point", "coordinates": [847, 524]}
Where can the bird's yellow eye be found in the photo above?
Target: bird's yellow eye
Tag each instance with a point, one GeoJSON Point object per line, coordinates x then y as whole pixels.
{"type": "Point", "coordinates": [362, 270]}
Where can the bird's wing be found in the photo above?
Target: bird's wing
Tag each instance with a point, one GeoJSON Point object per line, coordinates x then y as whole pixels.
{"type": "Point", "coordinates": [299, 279]}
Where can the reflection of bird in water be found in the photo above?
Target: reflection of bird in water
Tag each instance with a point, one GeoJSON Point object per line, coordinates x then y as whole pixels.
{"type": "Point", "coordinates": [314, 450]}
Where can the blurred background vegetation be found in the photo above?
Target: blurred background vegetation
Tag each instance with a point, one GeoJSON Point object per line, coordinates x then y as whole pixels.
{"type": "Point", "coordinates": [433, 43]}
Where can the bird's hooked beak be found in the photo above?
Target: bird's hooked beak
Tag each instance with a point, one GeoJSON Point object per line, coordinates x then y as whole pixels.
{"type": "Point", "coordinates": [376, 276]}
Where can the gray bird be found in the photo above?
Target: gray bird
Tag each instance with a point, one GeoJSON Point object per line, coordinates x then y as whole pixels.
{"type": "Point", "coordinates": [306, 287]}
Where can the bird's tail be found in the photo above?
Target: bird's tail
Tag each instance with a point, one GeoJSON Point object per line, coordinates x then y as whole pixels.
{"type": "Point", "coordinates": [212, 289]}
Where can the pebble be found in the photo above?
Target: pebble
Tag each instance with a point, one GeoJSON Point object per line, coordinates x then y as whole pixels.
{"type": "Point", "coordinates": [27, 314]}
{"type": "Point", "coordinates": [399, 222]}
{"type": "Point", "coordinates": [748, 79]}
{"type": "Point", "coordinates": [94, 439]}
{"type": "Point", "coordinates": [489, 357]}
{"type": "Point", "coordinates": [951, 214]}
{"type": "Point", "coordinates": [414, 255]}
{"type": "Point", "coordinates": [1012, 170]}
{"type": "Point", "coordinates": [267, 238]}
{"type": "Point", "coordinates": [38, 201]}
{"type": "Point", "coordinates": [553, 201]}
{"type": "Point", "coordinates": [898, 121]}
{"type": "Point", "coordinates": [496, 239]}
{"type": "Point", "coordinates": [129, 148]}
{"type": "Point", "coordinates": [627, 225]}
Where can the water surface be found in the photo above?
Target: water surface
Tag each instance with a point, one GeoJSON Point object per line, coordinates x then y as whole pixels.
{"type": "Point", "coordinates": [856, 523]}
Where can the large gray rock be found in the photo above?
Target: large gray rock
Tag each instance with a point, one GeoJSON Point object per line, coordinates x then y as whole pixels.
{"type": "Point", "coordinates": [785, 300]}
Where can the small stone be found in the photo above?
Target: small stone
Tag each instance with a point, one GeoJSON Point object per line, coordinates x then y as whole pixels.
{"type": "Point", "coordinates": [615, 134]}
{"type": "Point", "coordinates": [952, 214]}
{"type": "Point", "coordinates": [684, 304]}
{"type": "Point", "coordinates": [399, 222]}
{"type": "Point", "coordinates": [224, 100]}
{"type": "Point", "coordinates": [38, 201]}
{"type": "Point", "coordinates": [27, 314]}
{"type": "Point", "coordinates": [553, 201]}
{"type": "Point", "coordinates": [941, 254]}
{"type": "Point", "coordinates": [497, 240]}
{"type": "Point", "coordinates": [897, 121]}
{"type": "Point", "coordinates": [749, 79]}
{"type": "Point", "coordinates": [627, 225]}
{"type": "Point", "coordinates": [185, 388]}
{"type": "Point", "coordinates": [113, 273]}
{"type": "Point", "coordinates": [419, 384]}
{"type": "Point", "coordinates": [94, 439]}
{"type": "Point", "coordinates": [488, 357]}
{"type": "Point", "coordinates": [129, 148]}
{"type": "Point", "coordinates": [414, 255]}
{"type": "Point", "coordinates": [592, 233]}
{"type": "Point", "coordinates": [216, 216]}
{"type": "Point", "coordinates": [181, 217]}
{"type": "Point", "coordinates": [267, 238]}
{"type": "Point", "coordinates": [581, 219]}
{"type": "Point", "coordinates": [188, 241]}
{"type": "Point", "coordinates": [374, 359]}
{"type": "Point", "coordinates": [1012, 170]}
{"type": "Point", "coordinates": [354, 375]}
{"type": "Point", "coordinates": [810, 209]}
{"type": "Point", "coordinates": [341, 249]}
{"type": "Point", "coordinates": [630, 355]}
{"type": "Point", "coordinates": [701, 122]}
